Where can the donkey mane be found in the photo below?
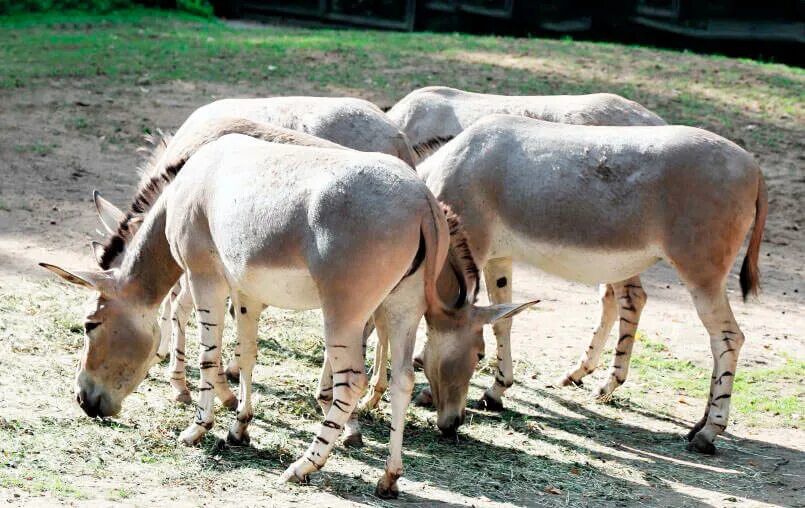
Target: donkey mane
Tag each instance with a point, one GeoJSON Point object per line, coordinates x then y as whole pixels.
{"type": "Point", "coordinates": [460, 257]}
{"type": "Point", "coordinates": [153, 179]}
{"type": "Point", "coordinates": [430, 146]}
{"type": "Point", "coordinates": [161, 167]}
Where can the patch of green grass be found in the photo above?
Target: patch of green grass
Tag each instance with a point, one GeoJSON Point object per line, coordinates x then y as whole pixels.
{"type": "Point", "coordinates": [761, 395]}
{"type": "Point", "coordinates": [38, 148]}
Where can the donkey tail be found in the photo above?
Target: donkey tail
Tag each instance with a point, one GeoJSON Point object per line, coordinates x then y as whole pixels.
{"type": "Point", "coordinates": [750, 275]}
{"type": "Point", "coordinates": [437, 240]}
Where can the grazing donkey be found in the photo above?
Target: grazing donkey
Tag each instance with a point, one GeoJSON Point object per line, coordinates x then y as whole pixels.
{"type": "Point", "coordinates": [434, 115]}
{"type": "Point", "coordinates": [350, 122]}
{"type": "Point", "coordinates": [601, 205]}
{"type": "Point", "coordinates": [356, 234]}
{"type": "Point", "coordinates": [166, 159]}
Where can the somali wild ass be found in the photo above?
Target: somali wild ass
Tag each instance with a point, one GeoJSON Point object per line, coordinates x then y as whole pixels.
{"type": "Point", "coordinates": [432, 116]}
{"type": "Point", "coordinates": [356, 234]}
{"type": "Point", "coordinates": [601, 205]}
{"type": "Point", "coordinates": [166, 158]}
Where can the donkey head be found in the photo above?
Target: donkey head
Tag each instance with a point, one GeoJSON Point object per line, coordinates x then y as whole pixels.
{"type": "Point", "coordinates": [455, 342]}
{"type": "Point", "coordinates": [121, 339]}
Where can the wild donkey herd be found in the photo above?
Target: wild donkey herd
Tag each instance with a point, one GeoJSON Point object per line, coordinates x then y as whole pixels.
{"type": "Point", "coordinates": [379, 219]}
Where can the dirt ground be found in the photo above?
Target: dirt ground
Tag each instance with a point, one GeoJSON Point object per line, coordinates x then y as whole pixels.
{"type": "Point", "coordinates": [50, 167]}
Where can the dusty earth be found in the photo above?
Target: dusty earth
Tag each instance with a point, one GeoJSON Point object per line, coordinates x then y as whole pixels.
{"type": "Point", "coordinates": [49, 166]}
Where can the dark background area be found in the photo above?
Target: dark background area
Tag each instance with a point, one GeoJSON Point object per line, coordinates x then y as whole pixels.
{"type": "Point", "coordinates": [772, 30]}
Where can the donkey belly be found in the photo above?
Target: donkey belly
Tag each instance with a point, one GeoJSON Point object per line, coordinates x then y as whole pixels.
{"type": "Point", "coordinates": [287, 288]}
{"type": "Point", "coordinates": [582, 264]}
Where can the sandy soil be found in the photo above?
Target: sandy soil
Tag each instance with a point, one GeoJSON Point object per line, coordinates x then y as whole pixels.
{"type": "Point", "coordinates": [49, 168]}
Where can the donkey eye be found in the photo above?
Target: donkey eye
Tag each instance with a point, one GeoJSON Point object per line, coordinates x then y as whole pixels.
{"type": "Point", "coordinates": [90, 325]}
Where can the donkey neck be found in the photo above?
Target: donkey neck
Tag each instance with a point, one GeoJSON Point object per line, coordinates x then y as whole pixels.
{"type": "Point", "coordinates": [148, 270]}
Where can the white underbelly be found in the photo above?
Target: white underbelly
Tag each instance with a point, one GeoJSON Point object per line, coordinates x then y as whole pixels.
{"type": "Point", "coordinates": [587, 265]}
{"type": "Point", "coordinates": [285, 288]}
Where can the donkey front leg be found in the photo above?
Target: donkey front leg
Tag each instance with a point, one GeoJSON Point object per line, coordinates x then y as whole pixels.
{"type": "Point", "coordinates": [726, 340]}
{"type": "Point", "coordinates": [165, 326]}
{"type": "Point", "coordinates": [498, 278]}
{"type": "Point", "coordinates": [246, 319]}
{"type": "Point", "coordinates": [209, 297]}
{"type": "Point", "coordinates": [180, 303]}
{"type": "Point", "coordinates": [343, 343]}
{"type": "Point", "coordinates": [379, 381]}
{"type": "Point", "coordinates": [589, 360]}
{"type": "Point", "coordinates": [631, 299]}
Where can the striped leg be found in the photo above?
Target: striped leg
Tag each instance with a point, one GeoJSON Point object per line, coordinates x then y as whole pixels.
{"type": "Point", "coordinates": [726, 340]}
{"type": "Point", "coordinates": [352, 431]}
{"type": "Point", "coordinates": [209, 297]}
{"type": "Point", "coordinates": [247, 318]}
{"type": "Point", "coordinates": [180, 311]}
{"type": "Point", "coordinates": [589, 360]}
{"type": "Point", "coordinates": [700, 424]}
{"type": "Point", "coordinates": [631, 300]}
{"type": "Point", "coordinates": [498, 278]}
{"type": "Point", "coordinates": [349, 384]}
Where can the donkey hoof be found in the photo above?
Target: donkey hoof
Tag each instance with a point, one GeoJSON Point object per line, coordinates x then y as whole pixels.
{"type": "Point", "coordinates": [424, 398]}
{"type": "Point", "coordinates": [183, 397]}
{"type": "Point", "coordinates": [700, 444]}
{"type": "Point", "coordinates": [192, 435]}
{"type": "Point", "coordinates": [232, 376]}
{"type": "Point", "coordinates": [487, 403]}
{"type": "Point", "coordinates": [354, 440]}
{"type": "Point", "coordinates": [290, 476]}
{"type": "Point", "coordinates": [387, 487]}
{"type": "Point", "coordinates": [231, 403]}
{"type": "Point", "coordinates": [233, 440]}
{"type": "Point", "coordinates": [568, 381]}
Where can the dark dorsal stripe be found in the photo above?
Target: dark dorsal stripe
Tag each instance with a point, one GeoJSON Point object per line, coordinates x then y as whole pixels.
{"type": "Point", "coordinates": [430, 146]}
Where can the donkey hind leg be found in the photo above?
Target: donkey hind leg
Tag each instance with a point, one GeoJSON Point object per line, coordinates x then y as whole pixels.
{"type": "Point", "coordinates": [397, 320]}
{"type": "Point", "coordinates": [246, 320]}
{"type": "Point", "coordinates": [181, 302]}
{"type": "Point", "coordinates": [726, 340]}
{"type": "Point", "coordinates": [498, 278]}
{"type": "Point", "coordinates": [589, 359]}
{"type": "Point", "coordinates": [209, 295]}
{"type": "Point", "coordinates": [343, 344]}
{"type": "Point", "coordinates": [631, 300]}
{"type": "Point", "coordinates": [352, 432]}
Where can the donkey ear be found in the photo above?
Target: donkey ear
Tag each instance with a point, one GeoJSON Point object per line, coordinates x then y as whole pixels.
{"type": "Point", "coordinates": [97, 280]}
{"type": "Point", "coordinates": [109, 214]}
{"type": "Point", "coordinates": [493, 313]}
{"type": "Point", "coordinates": [97, 251]}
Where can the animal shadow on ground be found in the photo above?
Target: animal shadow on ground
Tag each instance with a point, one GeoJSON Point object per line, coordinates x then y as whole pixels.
{"type": "Point", "coordinates": [476, 467]}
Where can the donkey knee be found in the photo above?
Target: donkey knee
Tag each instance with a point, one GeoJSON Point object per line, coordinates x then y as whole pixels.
{"type": "Point", "coordinates": [404, 381]}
